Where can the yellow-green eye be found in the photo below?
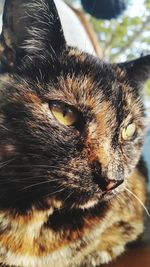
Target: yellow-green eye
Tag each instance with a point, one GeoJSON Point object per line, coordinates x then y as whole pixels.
{"type": "Point", "coordinates": [129, 131]}
{"type": "Point", "coordinates": [65, 114]}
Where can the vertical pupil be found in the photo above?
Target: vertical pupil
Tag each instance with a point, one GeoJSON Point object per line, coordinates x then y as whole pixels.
{"type": "Point", "coordinates": [65, 111]}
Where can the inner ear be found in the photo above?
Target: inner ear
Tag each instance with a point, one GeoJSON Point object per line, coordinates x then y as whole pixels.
{"type": "Point", "coordinates": [138, 70]}
{"type": "Point", "coordinates": [30, 28]}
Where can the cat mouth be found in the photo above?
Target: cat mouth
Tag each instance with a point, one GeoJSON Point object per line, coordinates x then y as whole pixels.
{"type": "Point", "coordinates": [102, 197]}
{"type": "Point", "coordinates": [94, 200]}
{"type": "Point", "coordinates": [90, 204]}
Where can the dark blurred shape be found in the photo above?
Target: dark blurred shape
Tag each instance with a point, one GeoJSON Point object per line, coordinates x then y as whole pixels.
{"type": "Point", "coordinates": [105, 9]}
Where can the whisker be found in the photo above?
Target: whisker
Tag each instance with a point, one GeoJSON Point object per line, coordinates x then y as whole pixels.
{"type": "Point", "coordinates": [24, 197]}
{"type": "Point", "coordinates": [139, 200]}
{"type": "Point", "coordinates": [57, 191]}
{"type": "Point", "coordinates": [5, 163]}
{"type": "Point", "coordinates": [30, 165]}
{"type": "Point", "coordinates": [4, 127]}
{"type": "Point", "coordinates": [40, 183]}
{"type": "Point", "coordinates": [41, 166]}
{"type": "Point", "coordinates": [69, 195]}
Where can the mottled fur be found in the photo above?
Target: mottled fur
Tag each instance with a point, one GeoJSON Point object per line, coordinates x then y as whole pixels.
{"type": "Point", "coordinates": [54, 206]}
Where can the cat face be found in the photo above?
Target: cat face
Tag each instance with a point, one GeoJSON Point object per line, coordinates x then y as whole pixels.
{"type": "Point", "coordinates": [72, 126]}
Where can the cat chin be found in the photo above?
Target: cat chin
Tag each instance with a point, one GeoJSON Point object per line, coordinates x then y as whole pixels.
{"type": "Point", "coordinates": [102, 198]}
{"type": "Point", "coordinates": [94, 202]}
{"type": "Point", "coordinates": [88, 201]}
{"type": "Point", "coordinates": [89, 204]}
{"type": "Point", "coordinates": [113, 193]}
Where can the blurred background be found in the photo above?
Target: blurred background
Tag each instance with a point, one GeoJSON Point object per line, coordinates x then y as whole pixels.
{"type": "Point", "coordinates": [123, 31]}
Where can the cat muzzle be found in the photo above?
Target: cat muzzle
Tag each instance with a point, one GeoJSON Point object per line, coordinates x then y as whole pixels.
{"type": "Point", "coordinates": [112, 184]}
{"type": "Point", "coordinates": [104, 183]}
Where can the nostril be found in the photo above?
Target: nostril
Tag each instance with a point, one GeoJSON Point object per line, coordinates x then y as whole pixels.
{"type": "Point", "coordinates": [107, 184]}
{"type": "Point", "coordinates": [103, 182]}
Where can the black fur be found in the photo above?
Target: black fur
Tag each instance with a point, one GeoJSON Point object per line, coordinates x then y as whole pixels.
{"type": "Point", "coordinates": [40, 63]}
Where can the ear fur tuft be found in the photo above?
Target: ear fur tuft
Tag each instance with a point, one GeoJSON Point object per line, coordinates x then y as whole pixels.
{"type": "Point", "coordinates": [30, 28]}
{"type": "Point", "coordinates": [138, 70]}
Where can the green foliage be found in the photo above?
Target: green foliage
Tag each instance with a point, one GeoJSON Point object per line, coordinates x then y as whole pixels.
{"type": "Point", "coordinates": [124, 38]}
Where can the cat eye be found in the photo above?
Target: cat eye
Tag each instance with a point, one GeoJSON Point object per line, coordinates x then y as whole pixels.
{"type": "Point", "coordinates": [64, 113]}
{"type": "Point", "coordinates": [129, 131]}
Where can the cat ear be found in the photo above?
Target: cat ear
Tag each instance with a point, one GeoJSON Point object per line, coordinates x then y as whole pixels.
{"type": "Point", "coordinates": [30, 28]}
{"type": "Point", "coordinates": [138, 71]}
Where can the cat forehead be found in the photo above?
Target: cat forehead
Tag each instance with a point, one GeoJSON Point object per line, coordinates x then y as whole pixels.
{"type": "Point", "coordinates": [83, 81]}
{"type": "Point", "coordinates": [87, 80]}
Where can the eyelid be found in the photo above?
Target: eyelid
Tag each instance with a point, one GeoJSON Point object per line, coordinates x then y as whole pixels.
{"type": "Point", "coordinates": [62, 104]}
{"type": "Point", "coordinates": [65, 114]}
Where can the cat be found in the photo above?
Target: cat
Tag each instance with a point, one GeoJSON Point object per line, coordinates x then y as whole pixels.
{"type": "Point", "coordinates": [71, 133]}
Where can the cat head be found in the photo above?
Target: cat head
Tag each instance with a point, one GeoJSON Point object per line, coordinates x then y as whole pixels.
{"type": "Point", "coordinates": [71, 125]}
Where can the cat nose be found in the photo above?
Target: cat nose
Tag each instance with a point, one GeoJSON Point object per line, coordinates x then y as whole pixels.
{"type": "Point", "coordinates": [104, 183]}
{"type": "Point", "coordinates": [109, 184]}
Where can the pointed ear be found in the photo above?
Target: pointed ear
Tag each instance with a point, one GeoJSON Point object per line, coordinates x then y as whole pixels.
{"type": "Point", "coordinates": [30, 28]}
{"type": "Point", "coordinates": [137, 71]}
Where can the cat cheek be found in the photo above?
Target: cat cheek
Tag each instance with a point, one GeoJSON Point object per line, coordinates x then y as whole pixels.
{"type": "Point", "coordinates": [7, 151]}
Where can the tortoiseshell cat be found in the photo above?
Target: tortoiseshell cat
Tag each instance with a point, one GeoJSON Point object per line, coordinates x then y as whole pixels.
{"type": "Point", "coordinates": [71, 134]}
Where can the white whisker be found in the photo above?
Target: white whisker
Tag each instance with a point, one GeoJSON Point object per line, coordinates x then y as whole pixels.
{"type": "Point", "coordinates": [38, 184]}
{"type": "Point", "coordinates": [139, 200]}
